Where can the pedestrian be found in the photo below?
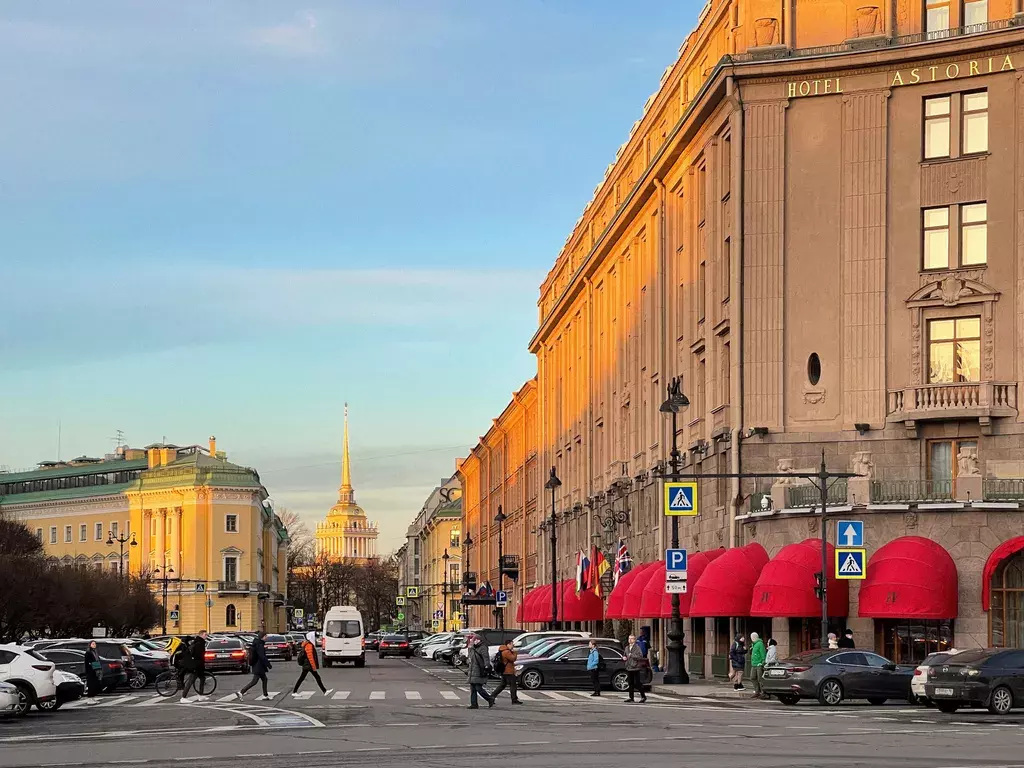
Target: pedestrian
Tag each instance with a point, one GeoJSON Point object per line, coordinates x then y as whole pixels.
{"type": "Point", "coordinates": [195, 669]}
{"type": "Point", "coordinates": [594, 668]}
{"type": "Point", "coordinates": [93, 673]}
{"type": "Point", "coordinates": [833, 644]}
{"type": "Point", "coordinates": [310, 663]}
{"type": "Point", "coordinates": [644, 641]}
{"type": "Point", "coordinates": [758, 654]}
{"type": "Point", "coordinates": [737, 660]}
{"type": "Point", "coordinates": [846, 641]}
{"type": "Point", "coordinates": [260, 665]}
{"type": "Point", "coordinates": [508, 656]}
{"type": "Point", "coordinates": [477, 670]}
{"type": "Point", "coordinates": [636, 663]}
{"type": "Point", "coordinates": [772, 656]}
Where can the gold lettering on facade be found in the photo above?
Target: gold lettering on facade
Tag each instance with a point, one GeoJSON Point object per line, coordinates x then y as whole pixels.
{"type": "Point", "coordinates": [974, 68]}
{"type": "Point", "coordinates": [953, 71]}
{"type": "Point", "coordinates": [915, 75]}
{"type": "Point", "coordinates": [897, 79]}
{"type": "Point", "coordinates": [933, 69]}
{"type": "Point", "coordinates": [814, 87]}
{"type": "Point", "coordinates": [1007, 64]}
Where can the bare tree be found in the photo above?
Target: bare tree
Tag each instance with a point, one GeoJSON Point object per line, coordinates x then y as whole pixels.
{"type": "Point", "coordinates": [302, 544]}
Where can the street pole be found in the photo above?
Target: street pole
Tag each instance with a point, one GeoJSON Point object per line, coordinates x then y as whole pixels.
{"type": "Point", "coordinates": [823, 482]}
{"type": "Point", "coordinates": [499, 519]}
{"type": "Point", "coordinates": [675, 670]}
{"type": "Point", "coordinates": [444, 591]}
{"type": "Point", "coordinates": [553, 484]}
{"type": "Point", "coordinates": [121, 540]}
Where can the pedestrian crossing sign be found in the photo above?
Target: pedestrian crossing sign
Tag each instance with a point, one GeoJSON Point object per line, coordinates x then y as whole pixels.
{"type": "Point", "coordinates": [850, 563]}
{"type": "Point", "coordinates": [400, 600]}
{"type": "Point", "coordinates": [412, 592]}
{"type": "Point", "coordinates": [681, 499]}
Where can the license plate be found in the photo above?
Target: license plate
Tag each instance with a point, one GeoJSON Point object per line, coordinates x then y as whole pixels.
{"type": "Point", "coordinates": [776, 673]}
{"type": "Point", "coordinates": [223, 656]}
{"type": "Point", "coordinates": [943, 691]}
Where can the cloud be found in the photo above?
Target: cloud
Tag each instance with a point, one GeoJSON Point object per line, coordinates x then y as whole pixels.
{"type": "Point", "coordinates": [300, 38]}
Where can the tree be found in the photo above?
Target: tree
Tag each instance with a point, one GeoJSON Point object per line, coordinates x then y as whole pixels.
{"type": "Point", "coordinates": [301, 542]}
{"type": "Point", "coordinates": [376, 586]}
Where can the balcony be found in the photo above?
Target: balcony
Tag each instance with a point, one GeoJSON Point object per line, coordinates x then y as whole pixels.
{"type": "Point", "coordinates": [981, 400]}
{"type": "Point", "coordinates": [809, 496]}
{"type": "Point", "coordinates": [905, 491]}
{"type": "Point", "coordinates": [233, 587]}
{"type": "Point", "coordinates": [1001, 489]}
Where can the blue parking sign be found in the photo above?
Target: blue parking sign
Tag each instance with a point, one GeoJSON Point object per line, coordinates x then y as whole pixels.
{"type": "Point", "coordinates": [675, 559]}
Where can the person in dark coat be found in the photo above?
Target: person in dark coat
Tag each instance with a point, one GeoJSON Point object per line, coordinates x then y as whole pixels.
{"type": "Point", "coordinates": [260, 665]}
{"type": "Point", "coordinates": [737, 661]}
{"type": "Point", "coordinates": [196, 668]}
{"type": "Point", "coordinates": [636, 665]}
{"type": "Point", "coordinates": [477, 671]}
{"type": "Point", "coordinates": [93, 673]}
{"type": "Point", "coordinates": [846, 641]}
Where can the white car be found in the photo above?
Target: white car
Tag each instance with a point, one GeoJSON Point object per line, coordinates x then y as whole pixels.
{"type": "Point", "coordinates": [30, 673]}
{"type": "Point", "coordinates": [920, 678]}
{"type": "Point", "coordinates": [10, 698]}
{"type": "Point", "coordinates": [434, 643]}
{"type": "Point", "coordinates": [530, 637]}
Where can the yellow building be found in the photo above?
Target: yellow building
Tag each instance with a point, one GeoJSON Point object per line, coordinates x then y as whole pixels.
{"type": "Point", "coordinates": [441, 535]}
{"type": "Point", "coordinates": [346, 533]}
{"type": "Point", "coordinates": [196, 524]}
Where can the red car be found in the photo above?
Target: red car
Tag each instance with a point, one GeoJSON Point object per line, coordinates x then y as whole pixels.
{"type": "Point", "coordinates": [278, 647]}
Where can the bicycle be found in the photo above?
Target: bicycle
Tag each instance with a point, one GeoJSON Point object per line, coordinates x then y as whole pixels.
{"type": "Point", "coordinates": [170, 682]}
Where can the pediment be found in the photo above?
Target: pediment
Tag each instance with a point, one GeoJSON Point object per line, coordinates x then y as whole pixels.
{"type": "Point", "coordinates": [950, 291]}
{"type": "Point", "coordinates": [231, 551]}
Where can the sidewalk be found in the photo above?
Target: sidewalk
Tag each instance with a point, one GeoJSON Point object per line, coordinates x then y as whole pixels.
{"type": "Point", "coordinates": [708, 689]}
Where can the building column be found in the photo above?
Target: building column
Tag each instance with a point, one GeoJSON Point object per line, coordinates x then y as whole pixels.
{"type": "Point", "coordinates": [161, 538]}
{"type": "Point", "coordinates": [146, 539]}
{"type": "Point", "coordinates": [176, 541]}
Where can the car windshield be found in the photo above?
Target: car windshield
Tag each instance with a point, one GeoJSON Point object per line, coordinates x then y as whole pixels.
{"type": "Point", "coordinates": [147, 645]}
{"type": "Point", "coordinates": [275, 639]}
{"type": "Point", "coordinates": [935, 658]}
{"type": "Point", "coordinates": [974, 656]}
{"type": "Point", "coordinates": [395, 639]}
{"type": "Point", "coordinates": [223, 644]}
{"type": "Point", "coordinates": [343, 628]}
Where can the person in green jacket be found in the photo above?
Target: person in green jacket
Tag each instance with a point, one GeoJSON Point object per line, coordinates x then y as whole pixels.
{"type": "Point", "coordinates": [757, 657]}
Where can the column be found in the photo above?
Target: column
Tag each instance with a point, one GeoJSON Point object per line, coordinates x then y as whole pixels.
{"type": "Point", "coordinates": [161, 537]}
{"type": "Point", "coordinates": [175, 558]}
{"type": "Point", "coordinates": [146, 539]}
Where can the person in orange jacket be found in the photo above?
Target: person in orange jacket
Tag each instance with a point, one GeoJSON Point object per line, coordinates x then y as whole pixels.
{"type": "Point", "coordinates": [310, 663]}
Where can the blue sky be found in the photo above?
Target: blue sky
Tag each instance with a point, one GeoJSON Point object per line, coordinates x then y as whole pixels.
{"type": "Point", "coordinates": [231, 217]}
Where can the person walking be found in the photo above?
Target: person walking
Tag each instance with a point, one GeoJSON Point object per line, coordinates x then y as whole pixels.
{"type": "Point", "coordinates": [833, 644]}
{"type": "Point", "coordinates": [260, 665]}
{"type": "Point", "coordinates": [93, 673]}
{"type": "Point", "coordinates": [737, 660]}
{"type": "Point", "coordinates": [758, 654]}
{"type": "Point", "coordinates": [508, 673]}
{"type": "Point", "coordinates": [772, 656]}
{"type": "Point", "coordinates": [846, 641]}
{"type": "Point", "coordinates": [636, 662]}
{"type": "Point", "coordinates": [594, 668]}
{"type": "Point", "coordinates": [195, 669]}
{"type": "Point", "coordinates": [310, 663]}
{"type": "Point", "coordinates": [476, 668]}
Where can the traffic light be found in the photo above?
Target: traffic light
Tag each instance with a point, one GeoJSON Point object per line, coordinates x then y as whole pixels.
{"type": "Point", "coordinates": [819, 586]}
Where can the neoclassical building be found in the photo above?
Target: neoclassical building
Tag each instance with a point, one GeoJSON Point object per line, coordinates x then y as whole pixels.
{"type": "Point", "coordinates": [816, 224]}
{"type": "Point", "coordinates": [346, 533]}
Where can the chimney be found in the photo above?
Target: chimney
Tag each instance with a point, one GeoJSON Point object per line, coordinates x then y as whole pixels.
{"type": "Point", "coordinates": [153, 454]}
{"type": "Point", "coordinates": [213, 446]}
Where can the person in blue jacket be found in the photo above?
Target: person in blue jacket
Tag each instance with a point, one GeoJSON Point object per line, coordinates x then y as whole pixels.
{"type": "Point", "coordinates": [594, 668]}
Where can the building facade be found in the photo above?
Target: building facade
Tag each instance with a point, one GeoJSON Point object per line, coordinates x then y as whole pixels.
{"type": "Point", "coordinates": [346, 533]}
{"type": "Point", "coordinates": [815, 225]}
{"type": "Point", "coordinates": [192, 518]}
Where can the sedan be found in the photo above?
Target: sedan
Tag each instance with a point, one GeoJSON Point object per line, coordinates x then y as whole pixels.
{"type": "Point", "coordinates": [113, 673]}
{"type": "Point", "coordinates": [567, 668]}
{"type": "Point", "coordinates": [988, 677]}
{"type": "Point", "coordinates": [229, 655]}
{"type": "Point", "coordinates": [10, 699]}
{"type": "Point", "coordinates": [278, 647]}
{"type": "Point", "coordinates": [920, 678]}
{"type": "Point", "coordinates": [371, 642]}
{"type": "Point", "coordinates": [830, 676]}
{"type": "Point", "coordinates": [70, 687]}
{"type": "Point", "coordinates": [394, 645]}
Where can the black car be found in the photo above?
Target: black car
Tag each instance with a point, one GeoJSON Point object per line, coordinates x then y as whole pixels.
{"type": "Point", "coordinates": [394, 645]}
{"type": "Point", "coordinates": [371, 642]}
{"type": "Point", "coordinates": [987, 677]}
{"type": "Point", "coordinates": [833, 675]}
{"type": "Point", "coordinates": [227, 655]}
{"type": "Point", "coordinates": [278, 647]}
{"type": "Point", "coordinates": [567, 668]}
{"type": "Point", "coordinates": [113, 650]}
{"type": "Point", "coordinates": [72, 660]}
{"type": "Point", "coordinates": [555, 645]}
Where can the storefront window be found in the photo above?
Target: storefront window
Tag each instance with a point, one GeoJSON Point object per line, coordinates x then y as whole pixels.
{"type": "Point", "coordinates": [698, 637]}
{"type": "Point", "coordinates": [908, 641]}
{"type": "Point", "coordinates": [1006, 612]}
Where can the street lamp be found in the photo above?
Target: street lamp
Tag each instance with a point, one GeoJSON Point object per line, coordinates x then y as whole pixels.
{"type": "Point", "coordinates": [444, 591]}
{"type": "Point", "coordinates": [553, 484]}
{"type": "Point", "coordinates": [499, 519]}
{"type": "Point", "coordinates": [122, 540]}
{"type": "Point", "coordinates": [675, 670]}
{"type": "Point", "coordinates": [167, 571]}
{"type": "Point", "coordinates": [468, 542]}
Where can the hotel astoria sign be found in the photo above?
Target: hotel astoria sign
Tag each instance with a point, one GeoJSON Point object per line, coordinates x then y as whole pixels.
{"type": "Point", "coordinates": [930, 73]}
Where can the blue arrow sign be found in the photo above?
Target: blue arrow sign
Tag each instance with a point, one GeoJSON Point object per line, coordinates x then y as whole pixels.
{"type": "Point", "coordinates": [675, 559]}
{"type": "Point", "coordinates": [850, 533]}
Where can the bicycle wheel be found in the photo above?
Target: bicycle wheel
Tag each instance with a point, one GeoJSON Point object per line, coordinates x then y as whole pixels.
{"type": "Point", "coordinates": [207, 685]}
{"type": "Point", "coordinates": [167, 684]}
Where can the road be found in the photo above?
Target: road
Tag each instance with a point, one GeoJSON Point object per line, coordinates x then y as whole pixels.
{"type": "Point", "coordinates": [394, 712]}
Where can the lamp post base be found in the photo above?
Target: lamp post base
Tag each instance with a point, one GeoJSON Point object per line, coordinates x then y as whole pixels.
{"type": "Point", "coordinates": [675, 665]}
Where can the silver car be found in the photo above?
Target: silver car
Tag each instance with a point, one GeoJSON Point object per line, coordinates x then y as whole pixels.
{"type": "Point", "coordinates": [9, 699]}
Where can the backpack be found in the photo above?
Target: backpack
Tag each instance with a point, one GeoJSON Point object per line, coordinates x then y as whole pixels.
{"type": "Point", "coordinates": [498, 663]}
{"type": "Point", "coordinates": [251, 655]}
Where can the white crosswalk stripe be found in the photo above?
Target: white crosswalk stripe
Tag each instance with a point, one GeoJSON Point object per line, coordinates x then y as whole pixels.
{"type": "Point", "coordinates": [117, 701]}
{"type": "Point", "coordinates": [526, 696]}
{"type": "Point", "coordinates": [555, 696]}
{"type": "Point", "coordinates": [229, 697]}
{"type": "Point", "coordinates": [450, 695]}
{"type": "Point", "coordinates": [153, 701]}
{"type": "Point", "coordinates": [302, 695]}
{"type": "Point", "coordinates": [341, 695]}
{"type": "Point", "coordinates": [413, 695]}
{"type": "Point", "coordinates": [376, 695]}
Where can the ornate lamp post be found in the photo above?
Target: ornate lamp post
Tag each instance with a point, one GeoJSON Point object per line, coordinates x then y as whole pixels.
{"type": "Point", "coordinates": [444, 591]}
{"type": "Point", "coordinates": [167, 571]}
{"type": "Point", "coordinates": [675, 670]}
{"type": "Point", "coordinates": [467, 542]}
{"type": "Point", "coordinates": [122, 540]}
{"type": "Point", "coordinates": [499, 519]}
{"type": "Point", "coordinates": [553, 485]}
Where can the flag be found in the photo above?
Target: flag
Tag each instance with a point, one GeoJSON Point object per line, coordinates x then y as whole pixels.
{"type": "Point", "coordinates": [623, 562]}
{"type": "Point", "coordinates": [598, 567]}
{"type": "Point", "coordinates": [582, 572]}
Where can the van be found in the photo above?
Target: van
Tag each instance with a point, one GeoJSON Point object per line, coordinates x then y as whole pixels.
{"type": "Point", "coordinates": [343, 636]}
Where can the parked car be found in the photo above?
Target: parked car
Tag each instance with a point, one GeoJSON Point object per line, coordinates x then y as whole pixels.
{"type": "Point", "coordinates": [830, 676]}
{"type": "Point", "coordinates": [394, 645]}
{"type": "Point", "coordinates": [921, 672]}
{"type": "Point", "coordinates": [433, 644]}
{"type": "Point", "coordinates": [10, 700]}
{"type": "Point", "coordinates": [72, 660]}
{"type": "Point", "coordinates": [227, 655]}
{"type": "Point", "coordinates": [278, 647]}
{"type": "Point", "coordinates": [987, 677]}
{"type": "Point", "coordinates": [551, 646]}
{"type": "Point", "coordinates": [30, 673]}
{"type": "Point", "coordinates": [567, 668]}
{"type": "Point", "coordinates": [371, 641]}
{"type": "Point", "coordinates": [526, 638]}
{"type": "Point", "coordinates": [295, 638]}
{"type": "Point", "coordinates": [114, 650]}
{"type": "Point", "coordinates": [70, 687]}
{"type": "Point", "coordinates": [492, 640]}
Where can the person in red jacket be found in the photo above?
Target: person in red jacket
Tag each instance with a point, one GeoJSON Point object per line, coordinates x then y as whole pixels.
{"type": "Point", "coordinates": [310, 663]}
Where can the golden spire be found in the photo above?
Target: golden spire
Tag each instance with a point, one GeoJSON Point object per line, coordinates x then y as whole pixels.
{"type": "Point", "coordinates": [345, 493]}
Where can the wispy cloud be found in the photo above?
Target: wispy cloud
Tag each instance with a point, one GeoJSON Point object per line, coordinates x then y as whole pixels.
{"type": "Point", "coordinates": [300, 38]}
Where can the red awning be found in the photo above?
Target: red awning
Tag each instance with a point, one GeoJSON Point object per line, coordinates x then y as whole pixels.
{"type": "Point", "coordinates": [727, 584]}
{"type": "Point", "coordinates": [655, 604]}
{"type": "Point", "coordinates": [586, 606]}
{"type": "Point", "coordinates": [519, 611]}
{"type": "Point", "coordinates": [538, 607]}
{"type": "Point", "coordinates": [999, 554]}
{"type": "Point", "coordinates": [910, 577]}
{"type": "Point", "coordinates": [618, 594]}
{"type": "Point", "coordinates": [635, 592]}
{"type": "Point", "coordinates": [786, 585]}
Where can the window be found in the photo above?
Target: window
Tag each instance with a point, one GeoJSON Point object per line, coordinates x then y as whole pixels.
{"type": "Point", "coordinates": [231, 523]}
{"type": "Point", "coordinates": [850, 659]}
{"type": "Point", "coordinates": [936, 17]}
{"type": "Point", "coordinates": [908, 641]}
{"type": "Point", "coordinates": [98, 533]}
{"type": "Point", "coordinates": [83, 532]}
{"type": "Point", "coordinates": [974, 123]}
{"type": "Point", "coordinates": [936, 127]}
{"type": "Point", "coordinates": [53, 534]}
{"type": "Point", "coordinates": [944, 463]}
{"type": "Point", "coordinates": [974, 12]}
{"type": "Point", "coordinates": [67, 534]}
{"type": "Point", "coordinates": [343, 628]}
{"type": "Point", "coordinates": [974, 234]}
{"type": "Point", "coordinates": [230, 569]}
{"type": "Point", "coordinates": [113, 529]}
{"type": "Point", "coordinates": [113, 566]}
{"type": "Point", "coordinates": [230, 615]}
{"type": "Point", "coordinates": [954, 350]}
{"type": "Point", "coordinates": [98, 566]}
{"type": "Point", "coordinates": [39, 535]}
{"type": "Point", "coordinates": [936, 238]}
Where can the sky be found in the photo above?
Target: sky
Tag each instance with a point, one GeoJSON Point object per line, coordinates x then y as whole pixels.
{"type": "Point", "coordinates": [230, 218]}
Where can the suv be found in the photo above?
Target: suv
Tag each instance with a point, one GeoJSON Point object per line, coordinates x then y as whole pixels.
{"type": "Point", "coordinates": [113, 650]}
{"type": "Point", "coordinates": [30, 673]}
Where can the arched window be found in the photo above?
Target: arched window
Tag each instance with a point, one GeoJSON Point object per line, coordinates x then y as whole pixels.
{"type": "Point", "coordinates": [1006, 612]}
{"type": "Point", "coordinates": [230, 615]}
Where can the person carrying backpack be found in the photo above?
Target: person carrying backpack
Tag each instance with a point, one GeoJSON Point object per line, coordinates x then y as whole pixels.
{"type": "Point", "coordinates": [260, 665]}
{"type": "Point", "coordinates": [310, 663]}
{"type": "Point", "coordinates": [504, 664]}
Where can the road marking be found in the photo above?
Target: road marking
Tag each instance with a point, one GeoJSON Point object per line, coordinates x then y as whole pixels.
{"type": "Point", "coordinates": [734, 725]}
{"type": "Point", "coordinates": [888, 719]}
{"type": "Point", "coordinates": [224, 699]}
{"type": "Point", "coordinates": [925, 722]}
{"type": "Point", "coordinates": [525, 697]}
{"type": "Point", "coordinates": [302, 695]}
{"type": "Point", "coordinates": [555, 696]}
{"type": "Point", "coordinates": [584, 741]}
{"type": "Point", "coordinates": [376, 695]}
{"type": "Point", "coordinates": [116, 701]}
{"type": "Point", "coordinates": [341, 695]}
{"type": "Point", "coordinates": [532, 743]}
{"type": "Point", "coordinates": [413, 695]}
{"type": "Point", "coordinates": [583, 694]}
{"type": "Point", "coordinates": [482, 744]}
{"type": "Point", "coordinates": [800, 727]}
{"type": "Point", "coordinates": [451, 695]}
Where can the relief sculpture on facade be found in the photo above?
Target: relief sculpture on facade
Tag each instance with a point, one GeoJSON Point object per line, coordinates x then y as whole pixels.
{"type": "Point", "coordinates": [967, 462]}
{"type": "Point", "coordinates": [868, 21]}
{"type": "Point", "coordinates": [766, 31]}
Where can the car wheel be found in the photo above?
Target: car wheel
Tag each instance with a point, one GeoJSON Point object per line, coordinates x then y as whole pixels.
{"type": "Point", "coordinates": [830, 693]}
{"type": "Point", "coordinates": [532, 679]}
{"type": "Point", "coordinates": [789, 699]}
{"type": "Point", "coordinates": [947, 707]}
{"type": "Point", "coordinates": [876, 700]}
{"type": "Point", "coordinates": [1000, 702]}
{"type": "Point", "coordinates": [380, 655]}
{"type": "Point", "coordinates": [620, 681]}
{"type": "Point", "coordinates": [139, 680]}
{"type": "Point", "coordinates": [25, 699]}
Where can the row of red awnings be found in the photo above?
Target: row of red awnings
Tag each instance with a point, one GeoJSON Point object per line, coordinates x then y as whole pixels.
{"type": "Point", "coordinates": [910, 577]}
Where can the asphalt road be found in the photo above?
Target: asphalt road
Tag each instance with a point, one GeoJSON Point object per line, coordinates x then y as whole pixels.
{"type": "Point", "coordinates": [396, 713]}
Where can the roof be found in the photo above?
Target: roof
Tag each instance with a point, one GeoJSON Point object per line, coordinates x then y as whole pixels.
{"type": "Point", "coordinates": [118, 465]}
{"type": "Point", "coordinates": [64, 493]}
{"type": "Point", "coordinates": [199, 469]}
